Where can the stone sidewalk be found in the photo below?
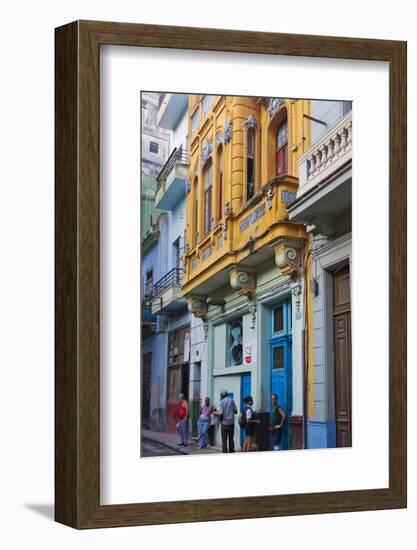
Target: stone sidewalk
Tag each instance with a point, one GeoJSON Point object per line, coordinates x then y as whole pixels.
{"type": "Point", "coordinates": [170, 440]}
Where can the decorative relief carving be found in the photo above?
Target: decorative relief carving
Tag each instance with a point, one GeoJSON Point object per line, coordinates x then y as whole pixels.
{"type": "Point", "coordinates": [227, 209]}
{"type": "Point", "coordinates": [224, 229]}
{"type": "Point", "coordinates": [288, 197]}
{"type": "Point", "coordinates": [251, 122]}
{"type": "Point", "coordinates": [206, 152]}
{"type": "Point", "coordinates": [297, 292]}
{"type": "Point", "coordinates": [288, 256]}
{"type": "Point", "coordinates": [219, 138]}
{"type": "Point", "coordinates": [252, 311]}
{"type": "Point", "coordinates": [187, 185]}
{"type": "Point", "coordinates": [228, 131]}
{"type": "Point", "coordinates": [244, 282]}
{"type": "Point", "coordinates": [197, 306]}
{"type": "Point", "coordinates": [269, 196]}
{"type": "Point", "coordinates": [274, 105]}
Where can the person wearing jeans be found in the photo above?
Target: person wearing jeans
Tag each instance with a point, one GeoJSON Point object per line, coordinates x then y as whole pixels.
{"type": "Point", "coordinates": [203, 424]}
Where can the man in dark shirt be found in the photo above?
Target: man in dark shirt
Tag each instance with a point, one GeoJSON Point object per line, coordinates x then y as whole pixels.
{"type": "Point", "coordinates": [276, 420]}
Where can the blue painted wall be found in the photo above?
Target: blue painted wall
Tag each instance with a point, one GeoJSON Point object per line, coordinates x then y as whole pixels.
{"type": "Point", "coordinates": [321, 434]}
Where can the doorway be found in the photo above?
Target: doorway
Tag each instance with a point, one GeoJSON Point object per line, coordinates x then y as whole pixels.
{"type": "Point", "coordinates": [342, 356]}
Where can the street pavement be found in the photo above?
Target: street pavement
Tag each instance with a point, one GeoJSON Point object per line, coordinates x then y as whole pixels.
{"type": "Point", "coordinates": [163, 443]}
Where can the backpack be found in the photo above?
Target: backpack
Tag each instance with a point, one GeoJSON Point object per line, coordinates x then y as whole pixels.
{"type": "Point", "coordinates": [242, 419]}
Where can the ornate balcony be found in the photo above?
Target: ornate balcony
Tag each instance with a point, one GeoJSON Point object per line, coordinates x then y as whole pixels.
{"type": "Point", "coordinates": [246, 238]}
{"type": "Point", "coordinates": [326, 156]}
{"type": "Point", "coordinates": [324, 198]}
{"type": "Point", "coordinates": [170, 183]}
{"type": "Point", "coordinates": [166, 294]}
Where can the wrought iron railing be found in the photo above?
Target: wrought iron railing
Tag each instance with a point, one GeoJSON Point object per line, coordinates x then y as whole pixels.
{"type": "Point", "coordinates": [179, 154]}
{"type": "Point", "coordinates": [173, 277]}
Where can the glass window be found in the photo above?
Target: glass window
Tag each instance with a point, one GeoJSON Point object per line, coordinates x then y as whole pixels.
{"type": "Point", "coordinates": [279, 319]}
{"type": "Point", "coordinates": [194, 122]}
{"type": "Point", "coordinates": [220, 188]}
{"type": "Point", "coordinates": [250, 165]}
{"type": "Point", "coordinates": [235, 346]}
{"type": "Point", "coordinates": [195, 213]}
{"type": "Point", "coordinates": [206, 103]}
{"type": "Point", "coordinates": [346, 107]}
{"type": "Point", "coordinates": [282, 149]}
{"type": "Point", "coordinates": [208, 180]}
{"type": "Point", "coordinates": [278, 357]}
{"type": "Point", "coordinates": [154, 147]}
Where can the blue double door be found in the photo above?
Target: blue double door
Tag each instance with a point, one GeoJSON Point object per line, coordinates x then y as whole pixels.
{"type": "Point", "coordinates": [281, 362]}
{"type": "Point", "coordinates": [245, 390]}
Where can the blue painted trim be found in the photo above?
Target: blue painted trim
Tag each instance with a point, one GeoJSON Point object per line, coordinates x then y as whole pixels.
{"type": "Point", "coordinates": [321, 434]}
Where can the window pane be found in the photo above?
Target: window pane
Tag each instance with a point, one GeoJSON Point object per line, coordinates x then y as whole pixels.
{"type": "Point", "coordinates": [278, 358]}
{"type": "Point", "coordinates": [250, 144]}
{"type": "Point", "coordinates": [279, 318]}
{"type": "Point", "coordinates": [153, 147]}
{"type": "Point", "coordinates": [208, 175]}
{"type": "Point", "coordinates": [250, 187]}
{"type": "Point", "coordinates": [282, 135]}
{"type": "Point", "coordinates": [194, 122]}
{"type": "Point", "coordinates": [206, 103]}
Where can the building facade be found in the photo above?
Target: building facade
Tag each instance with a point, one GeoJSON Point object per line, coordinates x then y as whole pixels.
{"type": "Point", "coordinates": [174, 337]}
{"type": "Point", "coordinates": [324, 205]}
{"type": "Point", "coordinates": [244, 273]}
{"type": "Point", "coordinates": [154, 148]}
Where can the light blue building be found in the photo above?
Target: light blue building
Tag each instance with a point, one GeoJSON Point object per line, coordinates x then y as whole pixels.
{"type": "Point", "coordinates": [166, 351]}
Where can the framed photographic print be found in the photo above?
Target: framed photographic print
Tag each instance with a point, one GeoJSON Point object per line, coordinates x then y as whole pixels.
{"type": "Point", "coordinates": [230, 274]}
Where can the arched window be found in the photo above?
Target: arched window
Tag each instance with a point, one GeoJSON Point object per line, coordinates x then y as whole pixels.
{"type": "Point", "coordinates": [282, 149]}
{"type": "Point", "coordinates": [195, 212]}
{"type": "Point", "coordinates": [220, 183]}
{"type": "Point", "coordinates": [208, 180]}
{"type": "Point", "coordinates": [250, 164]}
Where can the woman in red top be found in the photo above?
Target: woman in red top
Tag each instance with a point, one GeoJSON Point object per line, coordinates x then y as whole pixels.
{"type": "Point", "coordinates": [182, 417]}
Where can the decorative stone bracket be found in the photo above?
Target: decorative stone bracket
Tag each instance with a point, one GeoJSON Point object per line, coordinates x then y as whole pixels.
{"type": "Point", "coordinates": [288, 256]}
{"type": "Point", "coordinates": [197, 305]}
{"type": "Point", "coordinates": [245, 283]}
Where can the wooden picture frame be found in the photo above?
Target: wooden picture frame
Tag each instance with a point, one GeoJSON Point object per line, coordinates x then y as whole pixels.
{"type": "Point", "coordinates": [77, 374]}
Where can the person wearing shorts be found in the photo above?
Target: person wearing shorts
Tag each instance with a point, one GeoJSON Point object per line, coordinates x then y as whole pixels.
{"type": "Point", "coordinates": [250, 424]}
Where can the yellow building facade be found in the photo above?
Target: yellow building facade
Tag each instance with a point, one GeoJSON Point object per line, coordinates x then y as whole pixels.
{"type": "Point", "coordinates": [230, 217]}
{"type": "Point", "coordinates": [243, 175]}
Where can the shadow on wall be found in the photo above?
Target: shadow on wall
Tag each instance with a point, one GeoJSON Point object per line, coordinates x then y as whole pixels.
{"type": "Point", "coordinates": [46, 510]}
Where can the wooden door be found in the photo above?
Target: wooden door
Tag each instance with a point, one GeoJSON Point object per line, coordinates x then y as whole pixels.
{"type": "Point", "coordinates": [342, 356]}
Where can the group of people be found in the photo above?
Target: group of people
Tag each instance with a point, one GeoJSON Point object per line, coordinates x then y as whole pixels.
{"type": "Point", "coordinates": [225, 415]}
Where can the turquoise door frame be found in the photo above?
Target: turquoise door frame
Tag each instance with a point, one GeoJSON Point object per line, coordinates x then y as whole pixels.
{"type": "Point", "coordinates": [280, 347]}
{"type": "Point", "coordinates": [245, 390]}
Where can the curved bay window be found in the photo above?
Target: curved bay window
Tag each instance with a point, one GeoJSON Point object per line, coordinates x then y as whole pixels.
{"type": "Point", "coordinates": [235, 346]}
{"type": "Point", "coordinates": [282, 149]}
{"type": "Point", "coordinates": [208, 181]}
{"type": "Point", "coordinates": [250, 164]}
{"type": "Point", "coordinates": [220, 183]}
